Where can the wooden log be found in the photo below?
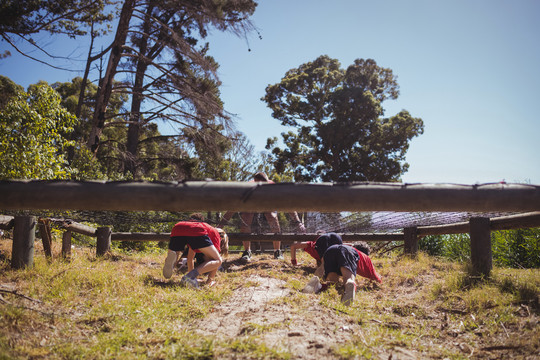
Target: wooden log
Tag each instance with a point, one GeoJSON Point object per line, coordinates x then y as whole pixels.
{"type": "Point", "coordinates": [126, 236]}
{"type": "Point", "coordinates": [46, 236]}
{"type": "Point", "coordinates": [6, 222]}
{"type": "Point", "coordinates": [411, 240]}
{"type": "Point", "coordinates": [103, 244]}
{"type": "Point", "coordinates": [481, 257]}
{"type": "Point", "coordinates": [66, 245]}
{"type": "Point", "coordinates": [518, 221]}
{"type": "Point", "coordinates": [286, 197]}
{"type": "Point", "coordinates": [79, 228]}
{"type": "Point", "coordinates": [24, 235]}
{"type": "Point", "coordinates": [457, 228]}
{"type": "Point", "coordinates": [286, 237]}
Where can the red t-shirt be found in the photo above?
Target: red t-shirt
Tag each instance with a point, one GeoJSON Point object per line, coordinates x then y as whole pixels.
{"type": "Point", "coordinates": [195, 228]}
{"type": "Point", "coordinates": [310, 249]}
{"type": "Point", "coordinates": [365, 267]}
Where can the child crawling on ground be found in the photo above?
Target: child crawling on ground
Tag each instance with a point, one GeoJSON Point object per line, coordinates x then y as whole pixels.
{"type": "Point", "coordinates": [199, 237]}
{"type": "Point", "coordinates": [344, 261]}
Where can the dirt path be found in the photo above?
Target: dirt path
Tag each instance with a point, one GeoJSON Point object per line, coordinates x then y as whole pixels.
{"type": "Point", "coordinates": [257, 309]}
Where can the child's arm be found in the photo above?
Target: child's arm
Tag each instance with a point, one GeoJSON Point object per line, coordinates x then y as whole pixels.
{"type": "Point", "coordinates": [320, 270]}
{"type": "Point", "coordinates": [293, 251]}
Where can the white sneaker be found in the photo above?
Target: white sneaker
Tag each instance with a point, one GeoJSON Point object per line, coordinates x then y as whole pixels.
{"type": "Point", "coordinates": [312, 286]}
{"type": "Point", "coordinates": [189, 282]}
{"type": "Point", "coordinates": [182, 264]}
{"type": "Point", "coordinates": [350, 292]}
{"type": "Point", "coordinates": [168, 267]}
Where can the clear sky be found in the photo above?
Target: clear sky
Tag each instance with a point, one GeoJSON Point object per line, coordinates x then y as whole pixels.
{"type": "Point", "coordinates": [469, 68]}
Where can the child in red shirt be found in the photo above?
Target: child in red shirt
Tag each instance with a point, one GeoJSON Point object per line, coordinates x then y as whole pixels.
{"type": "Point", "coordinates": [198, 235]}
{"type": "Point", "coordinates": [345, 261]}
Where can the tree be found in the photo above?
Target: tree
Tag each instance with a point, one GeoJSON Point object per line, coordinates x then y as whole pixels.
{"type": "Point", "coordinates": [20, 20]}
{"type": "Point", "coordinates": [340, 132]}
{"type": "Point", "coordinates": [33, 134]}
{"type": "Point", "coordinates": [169, 76]}
{"type": "Point", "coordinates": [8, 89]}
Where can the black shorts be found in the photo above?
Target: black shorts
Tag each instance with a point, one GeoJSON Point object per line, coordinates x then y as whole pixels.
{"type": "Point", "coordinates": [337, 256]}
{"type": "Point", "coordinates": [178, 243]}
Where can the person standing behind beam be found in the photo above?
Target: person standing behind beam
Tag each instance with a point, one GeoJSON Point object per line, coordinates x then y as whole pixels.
{"type": "Point", "coordinates": [271, 217]}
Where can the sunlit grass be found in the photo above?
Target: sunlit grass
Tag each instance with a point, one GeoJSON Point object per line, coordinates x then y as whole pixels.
{"type": "Point", "coordinates": [121, 307]}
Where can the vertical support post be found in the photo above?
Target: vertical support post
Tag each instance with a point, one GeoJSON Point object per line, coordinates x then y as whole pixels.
{"type": "Point", "coordinates": [103, 244]}
{"type": "Point", "coordinates": [481, 257]}
{"type": "Point", "coordinates": [66, 245]}
{"type": "Point", "coordinates": [46, 238]}
{"type": "Point", "coordinates": [411, 240]}
{"type": "Point", "coordinates": [24, 235]}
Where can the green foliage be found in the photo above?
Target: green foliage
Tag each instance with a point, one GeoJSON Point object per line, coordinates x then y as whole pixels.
{"type": "Point", "coordinates": [517, 248]}
{"type": "Point", "coordinates": [29, 17]}
{"type": "Point", "coordinates": [33, 136]}
{"type": "Point", "coordinates": [511, 248]}
{"type": "Point", "coordinates": [455, 247]}
{"type": "Point", "coordinates": [341, 134]}
{"type": "Point", "coordinates": [8, 89]}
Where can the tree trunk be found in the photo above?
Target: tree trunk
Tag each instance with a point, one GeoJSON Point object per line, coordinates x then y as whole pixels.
{"type": "Point", "coordinates": [134, 128]}
{"type": "Point", "coordinates": [105, 89]}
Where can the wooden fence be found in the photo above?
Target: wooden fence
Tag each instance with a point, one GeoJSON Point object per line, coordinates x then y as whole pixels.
{"type": "Point", "coordinates": [222, 196]}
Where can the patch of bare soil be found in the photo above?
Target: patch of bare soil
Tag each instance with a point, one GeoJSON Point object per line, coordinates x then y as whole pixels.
{"type": "Point", "coordinates": [256, 309]}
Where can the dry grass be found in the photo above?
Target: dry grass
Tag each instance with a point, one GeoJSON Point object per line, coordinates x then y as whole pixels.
{"type": "Point", "coordinates": [120, 307]}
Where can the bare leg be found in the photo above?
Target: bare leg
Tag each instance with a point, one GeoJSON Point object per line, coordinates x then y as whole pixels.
{"type": "Point", "coordinates": [245, 228]}
{"type": "Point", "coordinates": [273, 221]}
{"type": "Point", "coordinates": [213, 263]}
{"type": "Point", "coordinates": [332, 277]}
{"type": "Point", "coordinates": [350, 286]}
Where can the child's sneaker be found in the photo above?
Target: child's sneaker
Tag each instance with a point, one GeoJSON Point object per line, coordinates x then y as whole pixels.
{"type": "Point", "coordinates": [182, 264]}
{"type": "Point", "coordinates": [189, 282]}
{"type": "Point", "coordinates": [278, 254]}
{"type": "Point", "coordinates": [312, 286]}
{"type": "Point", "coordinates": [246, 257]}
{"type": "Point", "coordinates": [168, 267]}
{"type": "Point", "coordinates": [350, 292]}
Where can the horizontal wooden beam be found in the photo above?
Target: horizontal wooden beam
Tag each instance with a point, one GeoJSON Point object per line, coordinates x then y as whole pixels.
{"type": "Point", "coordinates": [286, 238]}
{"type": "Point", "coordinates": [518, 221]}
{"type": "Point", "coordinates": [250, 196]}
{"type": "Point", "coordinates": [79, 228]}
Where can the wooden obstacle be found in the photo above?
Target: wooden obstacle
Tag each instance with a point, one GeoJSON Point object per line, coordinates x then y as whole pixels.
{"type": "Point", "coordinates": [286, 197]}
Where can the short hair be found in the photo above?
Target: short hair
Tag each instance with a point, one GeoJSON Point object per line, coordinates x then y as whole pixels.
{"type": "Point", "coordinates": [196, 216]}
{"type": "Point", "coordinates": [363, 247]}
{"type": "Point", "coordinates": [260, 176]}
{"type": "Point", "coordinates": [323, 242]}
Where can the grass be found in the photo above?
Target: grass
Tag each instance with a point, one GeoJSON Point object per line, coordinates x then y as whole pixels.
{"type": "Point", "coordinates": [120, 307]}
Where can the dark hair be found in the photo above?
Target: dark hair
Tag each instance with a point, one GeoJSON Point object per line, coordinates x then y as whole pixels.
{"type": "Point", "coordinates": [260, 176]}
{"type": "Point", "coordinates": [196, 216]}
{"type": "Point", "coordinates": [323, 242]}
{"type": "Point", "coordinates": [363, 247]}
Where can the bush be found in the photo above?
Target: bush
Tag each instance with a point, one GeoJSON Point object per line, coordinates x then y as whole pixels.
{"type": "Point", "coordinates": [511, 248]}
{"type": "Point", "coordinates": [517, 248]}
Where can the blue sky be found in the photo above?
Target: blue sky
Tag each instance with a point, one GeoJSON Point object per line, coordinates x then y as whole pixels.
{"type": "Point", "coordinates": [469, 68]}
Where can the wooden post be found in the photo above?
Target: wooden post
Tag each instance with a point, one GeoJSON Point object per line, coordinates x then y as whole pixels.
{"type": "Point", "coordinates": [481, 257]}
{"type": "Point", "coordinates": [24, 235]}
{"type": "Point", "coordinates": [411, 240]}
{"type": "Point", "coordinates": [103, 244]}
{"type": "Point", "coordinates": [66, 245]}
{"type": "Point", "coordinates": [45, 232]}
